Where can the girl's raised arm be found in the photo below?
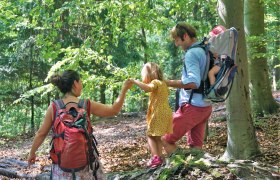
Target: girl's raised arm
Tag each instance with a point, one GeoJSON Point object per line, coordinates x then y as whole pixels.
{"type": "Point", "coordinates": [143, 86]}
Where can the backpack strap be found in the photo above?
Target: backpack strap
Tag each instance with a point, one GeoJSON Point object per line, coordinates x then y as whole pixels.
{"type": "Point", "coordinates": [57, 104]}
{"type": "Point", "coordinates": [81, 104]}
{"type": "Point", "coordinates": [205, 47]}
{"type": "Point", "coordinates": [85, 104]}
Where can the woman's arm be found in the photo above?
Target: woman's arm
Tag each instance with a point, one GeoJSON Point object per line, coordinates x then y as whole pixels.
{"type": "Point", "coordinates": [41, 135]}
{"type": "Point", "coordinates": [103, 110]}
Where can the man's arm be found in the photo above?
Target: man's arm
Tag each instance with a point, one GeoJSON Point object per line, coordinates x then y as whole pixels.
{"type": "Point", "coordinates": [179, 84]}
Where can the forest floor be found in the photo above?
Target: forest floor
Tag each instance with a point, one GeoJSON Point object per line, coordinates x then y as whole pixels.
{"type": "Point", "coordinates": [123, 144]}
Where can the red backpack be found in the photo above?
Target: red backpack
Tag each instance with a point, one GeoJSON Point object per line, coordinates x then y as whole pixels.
{"type": "Point", "coordinates": [73, 147]}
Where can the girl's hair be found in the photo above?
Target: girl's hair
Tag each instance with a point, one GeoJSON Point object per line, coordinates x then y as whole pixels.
{"type": "Point", "coordinates": [151, 71]}
{"type": "Point", "coordinates": [182, 28]}
{"type": "Point", "coordinates": [65, 81]}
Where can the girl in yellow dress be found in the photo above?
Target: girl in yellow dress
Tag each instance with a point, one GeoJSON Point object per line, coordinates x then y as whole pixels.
{"type": "Point", "coordinates": [159, 113]}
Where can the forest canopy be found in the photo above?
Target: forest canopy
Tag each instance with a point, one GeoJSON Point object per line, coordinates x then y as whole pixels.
{"type": "Point", "coordinates": [106, 41]}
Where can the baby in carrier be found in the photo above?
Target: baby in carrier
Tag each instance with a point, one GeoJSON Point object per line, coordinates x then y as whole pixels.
{"type": "Point", "coordinates": [218, 59]}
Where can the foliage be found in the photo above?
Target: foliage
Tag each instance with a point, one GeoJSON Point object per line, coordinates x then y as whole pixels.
{"type": "Point", "coordinates": [106, 41]}
{"type": "Point", "coordinates": [14, 120]}
{"type": "Point", "coordinates": [272, 36]}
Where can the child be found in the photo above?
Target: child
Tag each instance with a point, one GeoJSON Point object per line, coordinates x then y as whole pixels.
{"type": "Point", "coordinates": [217, 63]}
{"type": "Point", "coordinates": [159, 113]}
{"type": "Point", "coordinates": [215, 69]}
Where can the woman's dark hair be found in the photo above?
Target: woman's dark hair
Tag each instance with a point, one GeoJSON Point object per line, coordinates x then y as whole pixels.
{"type": "Point", "coordinates": [65, 81]}
{"type": "Point", "coordinates": [182, 28]}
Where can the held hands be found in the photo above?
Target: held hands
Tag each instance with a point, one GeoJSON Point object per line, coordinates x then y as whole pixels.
{"type": "Point", "coordinates": [128, 83]}
{"type": "Point", "coordinates": [131, 80]}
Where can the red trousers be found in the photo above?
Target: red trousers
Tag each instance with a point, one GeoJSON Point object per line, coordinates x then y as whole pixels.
{"type": "Point", "coordinates": [189, 120]}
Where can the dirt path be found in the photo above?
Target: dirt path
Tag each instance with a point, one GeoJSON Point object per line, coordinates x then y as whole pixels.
{"type": "Point", "coordinates": [123, 145]}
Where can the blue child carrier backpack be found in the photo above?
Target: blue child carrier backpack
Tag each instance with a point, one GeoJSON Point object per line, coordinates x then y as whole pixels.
{"type": "Point", "coordinates": [225, 46]}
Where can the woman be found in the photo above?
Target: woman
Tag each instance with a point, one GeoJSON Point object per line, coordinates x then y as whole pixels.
{"type": "Point", "coordinates": [70, 84]}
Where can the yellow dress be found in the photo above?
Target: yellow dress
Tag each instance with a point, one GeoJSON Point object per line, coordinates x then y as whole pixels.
{"type": "Point", "coordinates": [159, 113]}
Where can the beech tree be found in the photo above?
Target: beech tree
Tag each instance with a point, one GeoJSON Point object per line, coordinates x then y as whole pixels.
{"type": "Point", "coordinates": [262, 101]}
{"type": "Point", "coordinates": [242, 142]}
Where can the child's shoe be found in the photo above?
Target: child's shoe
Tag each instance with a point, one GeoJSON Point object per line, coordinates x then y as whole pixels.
{"type": "Point", "coordinates": [155, 162]}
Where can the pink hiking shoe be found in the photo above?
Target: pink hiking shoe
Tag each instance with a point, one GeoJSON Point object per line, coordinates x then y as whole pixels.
{"type": "Point", "coordinates": [155, 161]}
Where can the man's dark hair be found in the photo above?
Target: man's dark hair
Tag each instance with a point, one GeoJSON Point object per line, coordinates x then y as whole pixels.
{"type": "Point", "coordinates": [182, 28]}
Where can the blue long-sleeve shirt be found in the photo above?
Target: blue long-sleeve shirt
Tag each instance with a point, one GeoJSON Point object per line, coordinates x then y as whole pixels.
{"type": "Point", "coordinates": [195, 62]}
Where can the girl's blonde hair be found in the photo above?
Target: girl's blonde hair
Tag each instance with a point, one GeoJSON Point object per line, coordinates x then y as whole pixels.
{"type": "Point", "coordinates": [151, 71]}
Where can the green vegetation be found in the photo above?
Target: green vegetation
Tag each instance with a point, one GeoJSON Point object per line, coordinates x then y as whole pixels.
{"type": "Point", "coordinates": [106, 42]}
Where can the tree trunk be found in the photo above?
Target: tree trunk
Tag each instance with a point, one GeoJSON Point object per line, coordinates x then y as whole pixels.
{"type": "Point", "coordinates": [276, 70]}
{"type": "Point", "coordinates": [31, 87]}
{"type": "Point", "coordinates": [102, 93]}
{"type": "Point", "coordinates": [145, 99]}
{"type": "Point", "coordinates": [242, 142]}
{"type": "Point", "coordinates": [275, 51]}
{"type": "Point", "coordinates": [114, 95]}
{"type": "Point", "coordinates": [144, 44]}
{"type": "Point", "coordinates": [261, 95]}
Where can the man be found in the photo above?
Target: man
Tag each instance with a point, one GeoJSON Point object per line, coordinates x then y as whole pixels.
{"type": "Point", "coordinates": [193, 111]}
